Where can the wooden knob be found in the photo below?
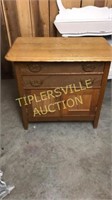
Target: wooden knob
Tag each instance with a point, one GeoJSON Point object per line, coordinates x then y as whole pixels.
{"type": "Point", "coordinates": [83, 82]}
{"type": "Point", "coordinates": [88, 67]}
{"type": "Point", "coordinates": [34, 68]}
{"type": "Point", "coordinates": [36, 83]}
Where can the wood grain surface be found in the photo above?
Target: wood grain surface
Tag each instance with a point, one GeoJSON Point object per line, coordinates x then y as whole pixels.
{"type": "Point", "coordinates": [60, 49]}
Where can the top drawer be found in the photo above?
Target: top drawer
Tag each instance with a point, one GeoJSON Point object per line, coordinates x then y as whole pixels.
{"type": "Point", "coordinates": [61, 68]}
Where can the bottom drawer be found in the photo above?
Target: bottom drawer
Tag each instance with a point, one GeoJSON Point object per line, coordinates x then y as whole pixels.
{"type": "Point", "coordinates": [40, 82]}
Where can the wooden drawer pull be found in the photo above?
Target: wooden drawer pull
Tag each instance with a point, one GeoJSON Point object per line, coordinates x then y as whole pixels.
{"type": "Point", "coordinates": [84, 83]}
{"type": "Point", "coordinates": [88, 67]}
{"type": "Point", "coordinates": [34, 68]}
{"type": "Point", "coordinates": [36, 83]}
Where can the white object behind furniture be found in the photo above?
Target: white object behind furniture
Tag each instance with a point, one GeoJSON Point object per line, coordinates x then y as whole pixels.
{"type": "Point", "coordinates": [88, 20]}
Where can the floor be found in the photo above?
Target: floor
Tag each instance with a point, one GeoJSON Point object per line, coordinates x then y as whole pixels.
{"type": "Point", "coordinates": [55, 161]}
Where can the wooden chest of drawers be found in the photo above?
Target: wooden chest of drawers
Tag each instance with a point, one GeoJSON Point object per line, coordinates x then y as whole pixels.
{"type": "Point", "coordinates": [60, 79]}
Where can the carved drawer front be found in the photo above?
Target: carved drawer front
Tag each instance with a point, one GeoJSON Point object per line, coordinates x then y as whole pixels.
{"type": "Point", "coordinates": [83, 102]}
{"type": "Point", "coordinates": [64, 68]}
{"type": "Point", "coordinates": [89, 67]}
{"type": "Point", "coordinates": [61, 81]}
